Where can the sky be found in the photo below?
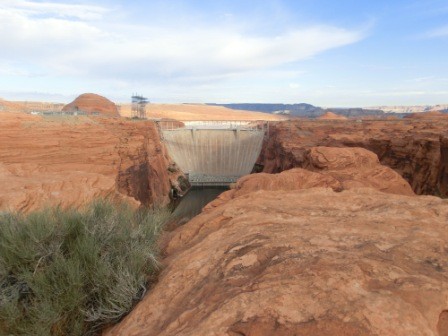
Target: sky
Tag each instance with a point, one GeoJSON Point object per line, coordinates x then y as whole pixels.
{"type": "Point", "coordinates": [323, 52]}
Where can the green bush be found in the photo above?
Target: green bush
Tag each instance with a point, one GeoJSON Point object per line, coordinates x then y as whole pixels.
{"type": "Point", "coordinates": [69, 272]}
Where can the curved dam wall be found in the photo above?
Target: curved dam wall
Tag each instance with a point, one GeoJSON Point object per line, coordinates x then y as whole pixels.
{"type": "Point", "coordinates": [214, 156]}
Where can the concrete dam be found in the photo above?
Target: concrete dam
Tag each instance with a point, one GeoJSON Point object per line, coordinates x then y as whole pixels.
{"type": "Point", "coordinates": [214, 153]}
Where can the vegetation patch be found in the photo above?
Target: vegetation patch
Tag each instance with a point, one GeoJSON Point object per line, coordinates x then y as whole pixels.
{"type": "Point", "coordinates": [70, 272]}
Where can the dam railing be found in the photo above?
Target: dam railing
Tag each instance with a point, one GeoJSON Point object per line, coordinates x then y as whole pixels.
{"type": "Point", "coordinates": [165, 125]}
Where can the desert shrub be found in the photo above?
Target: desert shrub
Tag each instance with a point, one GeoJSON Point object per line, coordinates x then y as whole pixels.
{"type": "Point", "coordinates": [69, 272]}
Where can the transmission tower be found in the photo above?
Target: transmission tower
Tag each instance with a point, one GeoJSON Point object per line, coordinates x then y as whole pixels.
{"type": "Point", "coordinates": [139, 106]}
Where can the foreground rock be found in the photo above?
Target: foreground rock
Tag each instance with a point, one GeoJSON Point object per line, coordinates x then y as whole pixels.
{"type": "Point", "coordinates": [91, 103]}
{"type": "Point", "coordinates": [416, 149]}
{"type": "Point", "coordinates": [304, 262]}
{"type": "Point", "coordinates": [70, 161]}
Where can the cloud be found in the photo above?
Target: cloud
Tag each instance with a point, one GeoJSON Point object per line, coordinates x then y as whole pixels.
{"type": "Point", "coordinates": [438, 32]}
{"type": "Point", "coordinates": [45, 34]}
{"type": "Point", "coordinates": [203, 53]}
{"type": "Point", "coordinates": [74, 11]}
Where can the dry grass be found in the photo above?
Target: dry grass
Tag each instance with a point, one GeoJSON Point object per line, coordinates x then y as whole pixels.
{"type": "Point", "coordinates": [67, 272]}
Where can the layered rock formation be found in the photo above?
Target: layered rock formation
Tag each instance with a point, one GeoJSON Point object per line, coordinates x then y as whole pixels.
{"type": "Point", "coordinates": [69, 162]}
{"type": "Point", "coordinates": [416, 149]}
{"type": "Point", "coordinates": [91, 103]}
{"type": "Point", "coordinates": [303, 262]}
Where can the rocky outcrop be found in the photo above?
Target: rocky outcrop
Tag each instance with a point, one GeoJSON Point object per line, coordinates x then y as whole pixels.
{"type": "Point", "coordinates": [303, 262]}
{"type": "Point", "coordinates": [416, 149]}
{"type": "Point", "coordinates": [355, 167]}
{"type": "Point", "coordinates": [331, 116]}
{"type": "Point", "coordinates": [91, 103]}
{"type": "Point", "coordinates": [329, 167]}
{"type": "Point", "coordinates": [69, 162]}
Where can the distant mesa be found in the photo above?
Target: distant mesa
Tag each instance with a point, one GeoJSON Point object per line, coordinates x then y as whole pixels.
{"type": "Point", "coordinates": [8, 106]}
{"type": "Point", "coordinates": [332, 116]}
{"type": "Point", "coordinates": [303, 110]}
{"type": "Point", "coordinates": [427, 115]}
{"type": "Point", "coordinates": [92, 104]}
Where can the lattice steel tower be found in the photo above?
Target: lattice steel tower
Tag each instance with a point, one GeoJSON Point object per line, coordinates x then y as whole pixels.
{"type": "Point", "coordinates": [139, 106]}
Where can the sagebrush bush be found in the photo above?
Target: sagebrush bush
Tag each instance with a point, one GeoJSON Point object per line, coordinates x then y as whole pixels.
{"type": "Point", "coordinates": [69, 272]}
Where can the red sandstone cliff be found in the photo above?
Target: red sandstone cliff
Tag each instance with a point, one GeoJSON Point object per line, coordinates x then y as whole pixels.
{"type": "Point", "coordinates": [71, 161]}
{"type": "Point", "coordinates": [416, 149]}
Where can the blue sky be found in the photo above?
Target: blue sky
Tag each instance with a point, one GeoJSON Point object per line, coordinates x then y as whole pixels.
{"type": "Point", "coordinates": [327, 53]}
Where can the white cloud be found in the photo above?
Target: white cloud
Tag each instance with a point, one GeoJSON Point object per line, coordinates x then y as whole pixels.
{"type": "Point", "coordinates": [35, 39]}
{"type": "Point", "coordinates": [74, 11]}
{"type": "Point", "coordinates": [46, 35]}
{"type": "Point", "coordinates": [438, 32]}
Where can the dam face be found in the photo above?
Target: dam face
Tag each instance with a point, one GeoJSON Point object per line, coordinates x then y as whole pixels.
{"type": "Point", "coordinates": [214, 153]}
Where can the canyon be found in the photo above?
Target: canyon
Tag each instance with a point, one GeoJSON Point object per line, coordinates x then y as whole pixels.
{"type": "Point", "coordinates": [335, 243]}
{"type": "Point", "coordinates": [341, 231]}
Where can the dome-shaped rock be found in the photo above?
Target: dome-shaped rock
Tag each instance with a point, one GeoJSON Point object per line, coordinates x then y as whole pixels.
{"type": "Point", "coordinates": [91, 103]}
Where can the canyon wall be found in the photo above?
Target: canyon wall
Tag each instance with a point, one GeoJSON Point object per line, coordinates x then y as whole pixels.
{"type": "Point", "coordinates": [416, 149]}
{"type": "Point", "coordinates": [70, 161]}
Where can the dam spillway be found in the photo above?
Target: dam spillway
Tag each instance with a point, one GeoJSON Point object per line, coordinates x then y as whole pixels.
{"type": "Point", "coordinates": [214, 153]}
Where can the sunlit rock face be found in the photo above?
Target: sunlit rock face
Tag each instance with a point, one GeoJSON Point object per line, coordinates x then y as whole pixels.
{"type": "Point", "coordinates": [303, 262]}
{"type": "Point", "coordinates": [417, 149]}
{"type": "Point", "coordinates": [71, 161]}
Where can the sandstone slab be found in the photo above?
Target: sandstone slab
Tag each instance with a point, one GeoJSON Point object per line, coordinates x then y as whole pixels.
{"type": "Point", "coordinates": [305, 262]}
